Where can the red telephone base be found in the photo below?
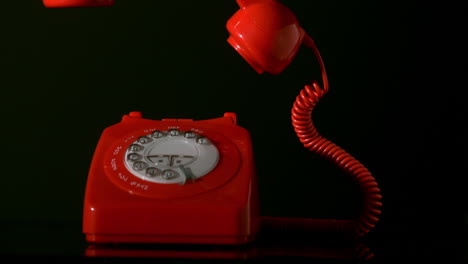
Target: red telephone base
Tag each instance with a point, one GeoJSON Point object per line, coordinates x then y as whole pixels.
{"type": "Point", "coordinates": [220, 207]}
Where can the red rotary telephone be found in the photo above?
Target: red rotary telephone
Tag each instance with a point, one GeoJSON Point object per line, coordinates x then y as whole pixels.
{"type": "Point", "coordinates": [186, 181]}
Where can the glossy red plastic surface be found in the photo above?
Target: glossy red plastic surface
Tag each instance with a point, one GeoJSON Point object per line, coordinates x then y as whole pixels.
{"type": "Point", "coordinates": [219, 208]}
{"type": "Point", "coordinates": [266, 34]}
{"type": "Point", "coordinates": [77, 3]}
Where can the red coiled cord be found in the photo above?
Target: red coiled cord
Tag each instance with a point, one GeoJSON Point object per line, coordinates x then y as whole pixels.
{"type": "Point", "coordinates": [312, 140]}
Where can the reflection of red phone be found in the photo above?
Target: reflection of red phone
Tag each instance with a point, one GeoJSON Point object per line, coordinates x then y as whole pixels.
{"type": "Point", "coordinates": [172, 181]}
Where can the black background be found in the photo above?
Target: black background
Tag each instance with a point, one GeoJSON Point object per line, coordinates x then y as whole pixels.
{"type": "Point", "coordinates": [395, 103]}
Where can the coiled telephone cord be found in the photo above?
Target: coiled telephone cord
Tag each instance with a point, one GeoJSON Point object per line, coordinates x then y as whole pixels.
{"type": "Point", "coordinates": [313, 141]}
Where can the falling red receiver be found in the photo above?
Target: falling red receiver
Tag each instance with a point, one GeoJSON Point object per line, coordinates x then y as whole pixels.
{"type": "Point", "coordinates": [268, 36]}
{"type": "Point", "coordinates": [77, 3]}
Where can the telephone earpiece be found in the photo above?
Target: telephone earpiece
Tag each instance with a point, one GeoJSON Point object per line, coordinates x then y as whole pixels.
{"type": "Point", "coordinates": [77, 3]}
{"type": "Point", "coordinates": [266, 34]}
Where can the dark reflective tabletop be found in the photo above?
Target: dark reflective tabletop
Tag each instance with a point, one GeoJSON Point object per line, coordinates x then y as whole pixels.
{"type": "Point", "coordinates": [64, 241]}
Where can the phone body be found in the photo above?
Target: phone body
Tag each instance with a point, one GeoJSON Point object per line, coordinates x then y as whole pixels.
{"type": "Point", "coordinates": [172, 181]}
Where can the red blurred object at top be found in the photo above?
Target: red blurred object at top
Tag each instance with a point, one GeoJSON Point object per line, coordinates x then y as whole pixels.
{"type": "Point", "coordinates": [77, 3]}
{"type": "Point", "coordinates": [266, 34]}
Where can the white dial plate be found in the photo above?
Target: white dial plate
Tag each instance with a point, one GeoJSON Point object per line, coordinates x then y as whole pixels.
{"type": "Point", "coordinates": [171, 156]}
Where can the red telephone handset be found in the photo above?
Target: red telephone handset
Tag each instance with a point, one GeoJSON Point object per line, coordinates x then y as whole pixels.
{"type": "Point", "coordinates": [77, 3]}
{"type": "Point", "coordinates": [184, 181]}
